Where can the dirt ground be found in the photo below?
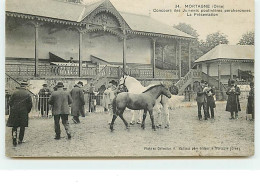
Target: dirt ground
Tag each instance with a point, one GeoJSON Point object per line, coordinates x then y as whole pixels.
{"type": "Point", "coordinates": [187, 136]}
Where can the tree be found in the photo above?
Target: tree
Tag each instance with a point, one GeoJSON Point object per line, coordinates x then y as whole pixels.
{"type": "Point", "coordinates": [212, 41]}
{"type": "Point", "coordinates": [247, 38]}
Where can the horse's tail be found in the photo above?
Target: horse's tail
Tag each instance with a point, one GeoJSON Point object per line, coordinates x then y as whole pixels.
{"type": "Point", "coordinates": [114, 105]}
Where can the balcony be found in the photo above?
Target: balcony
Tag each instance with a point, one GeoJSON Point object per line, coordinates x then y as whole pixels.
{"type": "Point", "coordinates": [55, 71]}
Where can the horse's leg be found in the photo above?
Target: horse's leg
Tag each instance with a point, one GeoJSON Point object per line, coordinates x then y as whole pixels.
{"type": "Point", "coordinates": [133, 117]}
{"type": "Point", "coordinates": [167, 115]}
{"type": "Point", "coordinates": [140, 117]}
{"type": "Point", "coordinates": [152, 118]}
{"type": "Point", "coordinates": [144, 116]}
{"type": "Point", "coordinates": [112, 122]}
{"type": "Point", "coordinates": [121, 116]}
{"type": "Point", "coordinates": [158, 111]}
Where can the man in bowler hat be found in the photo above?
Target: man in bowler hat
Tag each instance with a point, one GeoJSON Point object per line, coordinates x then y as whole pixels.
{"type": "Point", "coordinates": [20, 106]}
{"type": "Point", "coordinates": [60, 101]}
{"type": "Point", "coordinates": [77, 107]}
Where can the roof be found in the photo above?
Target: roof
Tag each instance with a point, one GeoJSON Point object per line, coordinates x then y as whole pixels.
{"type": "Point", "coordinates": [230, 52]}
{"type": "Point", "coordinates": [47, 8]}
{"type": "Point", "coordinates": [145, 23]}
{"type": "Point", "coordinates": [61, 10]}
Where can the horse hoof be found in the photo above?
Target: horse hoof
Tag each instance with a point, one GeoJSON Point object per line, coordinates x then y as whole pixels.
{"type": "Point", "coordinates": [131, 123]}
{"type": "Point", "coordinates": [138, 122]}
{"type": "Point", "coordinates": [142, 126]}
{"type": "Point", "coordinates": [112, 129]}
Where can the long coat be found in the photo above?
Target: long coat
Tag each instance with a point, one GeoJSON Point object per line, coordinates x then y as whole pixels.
{"type": "Point", "coordinates": [77, 107]}
{"type": "Point", "coordinates": [60, 101]}
{"type": "Point", "coordinates": [251, 102]}
{"type": "Point", "coordinates": [20, 106]}
{"type": "Point", "coordinates": [233, 104]}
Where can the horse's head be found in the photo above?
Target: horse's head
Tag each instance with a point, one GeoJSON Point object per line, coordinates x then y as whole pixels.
{"type": "Point", "coordinates": [166, 92]}
{"type": "Point", "coordinates": [122, 80]}
{"type": "Point", "coordinates": [122, 86]}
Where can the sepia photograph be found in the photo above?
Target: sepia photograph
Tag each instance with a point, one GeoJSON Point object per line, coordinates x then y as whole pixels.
{"type": "Point", "coordinates": [133, 79]}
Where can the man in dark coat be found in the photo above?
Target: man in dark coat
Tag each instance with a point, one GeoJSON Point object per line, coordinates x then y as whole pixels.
{"type": "Point", "coordinates": [233, 104]}
{"type": "Point", "coordinates": [251, 101]}
{"type": "Point", "coordinates": [210, 92]}
{"type": "Point", "coordinates": [20, 106]}
{"type": "Point", "coordinates": [44, 95]}
{"type": "Point", "coordinates": [77, 107]}
{"type": "Point", "coordinates": [201, 101]}
{"type": "Point", "coordinates": [60, 101]}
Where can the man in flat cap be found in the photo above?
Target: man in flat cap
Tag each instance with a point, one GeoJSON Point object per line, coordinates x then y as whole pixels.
{"type": "Point", "coordinates": [77, 107]}
{"type": "Point", "coordinates": [44, 95]}
{"type": "Point", "coordinates": [60, 101]}
{"type": "Point", "coordinates": [20, 106]}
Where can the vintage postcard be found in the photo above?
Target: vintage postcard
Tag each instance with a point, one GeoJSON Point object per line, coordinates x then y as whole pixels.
{"type": "Point", "coordinates": [120, 78]}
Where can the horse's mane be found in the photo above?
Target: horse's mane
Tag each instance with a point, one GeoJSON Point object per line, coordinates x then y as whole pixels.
{"type": "Point", "coordinates": [156, 85]}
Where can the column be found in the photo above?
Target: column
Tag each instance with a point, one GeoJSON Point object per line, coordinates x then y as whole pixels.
{"type": "Point", "coordinates": [208, 69]}
{"type": "Point", "coordinates": [163, 54]}
{"type": "Point", "coordinates": [80, 53]}
{"type": "Point", "coordinates": [180, 59]}
{"type": "Point", "coordinates": [124, 52]}
{"type": "Point", "coordinates": [153, 60]}
{"type": "Point", "coordinates": [208, 65]}
{"type": "Point", "coordinates": [189, 45]}
{"type": "Point", "coordinates": [36, 59]}
{"type": "Point", "coordinates": [231, 70]}
{"type": "Point", "coordinates": [219, 74]}
{"type": "Point", "coordinates": [176, 54]}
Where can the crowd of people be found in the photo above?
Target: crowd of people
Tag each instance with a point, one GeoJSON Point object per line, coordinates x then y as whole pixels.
{"type": "Point", "coordinates": [64, 103]}
{"type": "Point", "coordinates": [205, 99]}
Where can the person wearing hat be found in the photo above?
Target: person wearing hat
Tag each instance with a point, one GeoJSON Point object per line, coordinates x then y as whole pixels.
{"type": "Point", "coordinates": [20, 106]}
{"type": "Point", "coordinates": [44, 95]}
{"type": "Point", "coordinates": [78, 102]}
{"type": "Point", "coordinates": [201, 101]}
{"type": "Point", "coordinates": [92, 98]}
{"type": "Point", "coordinates": [210, 102]}
{"type": "Point", "coordinates": [109, 95]}
{"type": "Point", "coordinates": [60, 101]}
{"type": "Point", "coordinates": [233, 105]}
{"type": "Point", "coordinates": [251, 101]}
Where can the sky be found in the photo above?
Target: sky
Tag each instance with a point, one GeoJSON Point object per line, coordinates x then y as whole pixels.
{"type": "Point", "coordinates": [234, 25]}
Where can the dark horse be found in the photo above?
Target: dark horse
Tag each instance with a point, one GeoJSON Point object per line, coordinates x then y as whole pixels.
{"type": "Point", "coordinates": [144, 101]}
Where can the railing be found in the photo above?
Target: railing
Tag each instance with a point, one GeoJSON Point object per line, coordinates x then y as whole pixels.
{"type": "Point", "coordinates": [191, 74]}
{"type": "Point", "coordinates": [213, 82]}
{"type": "Point", "coordinates": [45, 70]}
